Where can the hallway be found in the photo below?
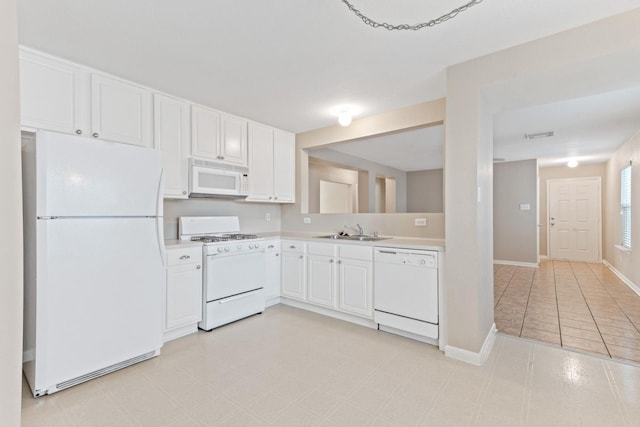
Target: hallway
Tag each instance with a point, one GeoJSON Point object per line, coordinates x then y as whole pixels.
{"type": "Point", "coordinates": [576, 305]}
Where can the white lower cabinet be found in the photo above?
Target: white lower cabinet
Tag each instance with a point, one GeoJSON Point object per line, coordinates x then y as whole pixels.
{"type": "Point", "coordinates": [339, 277]}
{"type": "Point", "coordinates": [293, 279]}
{"type": "Point", "coordinates": [183, 295]}
{"type": "Point", "coordinates": [272, 273]}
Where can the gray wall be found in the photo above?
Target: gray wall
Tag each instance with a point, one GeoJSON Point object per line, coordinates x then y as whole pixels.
{"type": "Point", "coordinates": [252, 215]}
{"type": "Point", "coordinates": [10, 221]}
{"type": "Point", "coordinates": [515, 231]}
{"type": "Point", "coordinates": [425, 191]}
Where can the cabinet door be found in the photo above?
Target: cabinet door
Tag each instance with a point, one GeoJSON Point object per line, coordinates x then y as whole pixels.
{"type": "Point", "coordinates": [205, 132]}
{"type": "Point", "coordinates": [356, 287]}
{"type": "Point", "coordinates": [260, 162]}
{"type": "Point", "coordinates": [321, 280]}
{"type": "Point", "coordinates": [184, 295]}
{"type": "Point", "coordinates": [233, 140]}
{"type": "Point", "coordinates": [121, 111]}
{"type": "Point", "coordinates": [272, 264]}
{"type": "Point", "coordinates": [171, 136]}
{"type": "Point", "coordinates": [284, 166]}
{"type": "Point", "coordinates": [52, 95]}
{"type": "Point", "coordinates": [293, 275]}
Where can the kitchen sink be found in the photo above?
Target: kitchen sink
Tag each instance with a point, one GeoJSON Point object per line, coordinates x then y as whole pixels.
{"type": "Point", "coordinates": [357, 237]}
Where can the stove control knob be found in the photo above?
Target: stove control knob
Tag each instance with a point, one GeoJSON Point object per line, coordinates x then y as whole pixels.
{"type": "Point", "coordinates": [250, 246]}
{"type": "Point", "coordinates": [256, 246]}
{"type": "Point", "coordinates": [239, 247]}
{"type": "Point", "coordinates": [226, 248]}
{"type": "Point", "coordinates": [220, 249]}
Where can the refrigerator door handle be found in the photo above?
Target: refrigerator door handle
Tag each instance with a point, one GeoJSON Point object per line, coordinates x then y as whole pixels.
{"type": "Point", "coordinates": [159, 221]}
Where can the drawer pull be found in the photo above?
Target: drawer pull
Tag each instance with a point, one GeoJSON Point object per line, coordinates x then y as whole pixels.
{"type": "Point", "coordinates": [292, 247]}
{"type": "Point", "coordinates": [270, 247]}
{"type": "Point", "coordinates": [197, 267]}
{"type": "Point", "coordinates": [185, 257]}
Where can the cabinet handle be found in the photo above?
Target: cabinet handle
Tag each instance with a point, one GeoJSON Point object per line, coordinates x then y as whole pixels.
{"type": "Point", "coordinates": [270, 197]}
{"type": "Point", "coordinates": [292, 247]}
{"type": "Point", "coordinates": [185, 257]}
{"type": "Point", "coordinates": [276, 198]}
{"type": "Point", "coordinates": [277, 254]}
{"type": "Point", "coordinates": [301, 256]}
{"type": "Point", "coordinates": [184, 192]}
{"type": "Point", "coordinates": [79, 131]}
{"type": "Point", "coordinates": [331, 260]}
{"type": "Point", "coordinates": [339, 262]}
{"type": "Point", "coordinates": [270, 247]}
{"type": "Point", "coordinates": [197, 267]}
{"type": "Point", "coordinates": [95, 134]}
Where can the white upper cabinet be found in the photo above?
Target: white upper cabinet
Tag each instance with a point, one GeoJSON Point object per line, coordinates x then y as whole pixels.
{"type": "Point", "coordinates": [205, 132]}
{"type": "Point", "coordinates": [260, 162]}
{"type": "Point", "coordinates": [284, 166]}
{"type": "Point", "coordinates": [218, 137]}
{"type": "Point", "coordinates": [271, 165]}
{"type": "Point", "coordinates": [52, 95]}
{"type": "Point", "coordinates": [171, 135]}
{"type": "Point", "coordinates": [61, 96]}
{"type": "Point", "coordinates": [121, 111]}
{"type": "Point", "coordinates": [233, 140]}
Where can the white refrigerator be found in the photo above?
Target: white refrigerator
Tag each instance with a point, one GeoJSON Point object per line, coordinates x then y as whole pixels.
{"type": "Point", "coordinates": [94, 255]}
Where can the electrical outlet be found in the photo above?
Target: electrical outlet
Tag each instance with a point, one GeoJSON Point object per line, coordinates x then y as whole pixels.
{"type": "Point", "coordinates": [307, 220]}
{"type": "Point", "coordinates": [420, 222]}
{"type": "Point", "coordinates": [267, 217]}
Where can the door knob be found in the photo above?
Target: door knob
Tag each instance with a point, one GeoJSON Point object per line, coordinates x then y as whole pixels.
{"type": "Point", "coordinates": [95, 134]}
{"type": "Point", "coordinates": [552, 224]}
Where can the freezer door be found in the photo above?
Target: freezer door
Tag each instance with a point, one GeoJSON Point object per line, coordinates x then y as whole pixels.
{"type": "Point", "coordinates": [99, 295]}
{"type": "Point", "coordinates": [79, 176]}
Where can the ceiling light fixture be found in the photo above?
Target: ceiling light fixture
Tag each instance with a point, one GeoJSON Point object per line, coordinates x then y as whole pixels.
{"type": "Point", "coordinates": [428, 24]}
{"type": "Point", "coordinates": [539, 135]}
{"type": "Point", "coordinates": [572, 163]}
{"type": "Point", "coordinates": [345, 118]}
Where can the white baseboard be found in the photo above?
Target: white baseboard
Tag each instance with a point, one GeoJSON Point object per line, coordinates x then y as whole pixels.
{"type": "Point", "coordinates": [272, 301]}
{"type": "Point", "coordinates": [471, 357]}
{"type": "Point", "coordinates": [329, 312]}
{"type": "Point", "coordinates": [544, 257]}
{"type": "Point", "coordinates": [516, 263]}
{"type": "Point", "coordinates": [622, 277]}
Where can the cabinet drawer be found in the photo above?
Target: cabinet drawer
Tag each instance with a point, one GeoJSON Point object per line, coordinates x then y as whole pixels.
{"type": "Point", "coordinates": [356, 252]}
{"type": "Point", "coordinates": [184, 255]}
{"type": "Point", "coordinates": [296, 246]}
{"type": "Point", "coordinates": [321, 249]}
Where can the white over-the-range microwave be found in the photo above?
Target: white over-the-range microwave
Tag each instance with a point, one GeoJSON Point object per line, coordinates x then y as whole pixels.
{"type": "Point", "coordinates": [208, 179]}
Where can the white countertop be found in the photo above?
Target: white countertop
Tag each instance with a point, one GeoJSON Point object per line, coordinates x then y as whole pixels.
{"type": "Point", "coordinates": [396, 242]}
{"type": "Point", "coordinates": [175, 244]}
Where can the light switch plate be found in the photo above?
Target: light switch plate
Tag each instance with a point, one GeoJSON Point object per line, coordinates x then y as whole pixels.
{"type": "Point", "coordinates": [267, 217]}
{"type": "Point", "coordinates": [307, 220]}
{"type": "Point", "coordinates": [525, 207]}
{"type": "Point", "coordinates": [420, 222]}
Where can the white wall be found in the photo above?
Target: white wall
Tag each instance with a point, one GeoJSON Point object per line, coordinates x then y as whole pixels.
{"type": "Point", "coordinates": [252, 215]}
{"type": "Point", "coordinates": [10, 221]}
{"type": "Point", "coordinates": [628, 263]}
{"type": "Point", "coordinates": [515, 231]}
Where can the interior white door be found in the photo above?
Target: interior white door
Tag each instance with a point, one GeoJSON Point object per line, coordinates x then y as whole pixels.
{"type": "Point", "coordinates": [574, 219]}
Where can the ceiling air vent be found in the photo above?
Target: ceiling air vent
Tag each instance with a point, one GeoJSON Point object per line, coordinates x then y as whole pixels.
{"type": "Point", "coordinates": [538, 135]}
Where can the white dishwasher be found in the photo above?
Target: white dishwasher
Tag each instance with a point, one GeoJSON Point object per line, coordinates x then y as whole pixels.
{"type": "Point", "coordinates": [406, 290]}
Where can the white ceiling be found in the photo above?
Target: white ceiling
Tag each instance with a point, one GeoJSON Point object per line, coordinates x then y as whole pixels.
{"type": "Point", "coordinates": [410, 150]}
{"type": "Point", "coordinates": [289, 63]}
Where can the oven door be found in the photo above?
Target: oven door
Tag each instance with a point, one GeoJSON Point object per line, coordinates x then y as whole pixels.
{"type": "Point", "coordinates": [214, 181]}
{"type": "Point", "coordinates": [232, 274]}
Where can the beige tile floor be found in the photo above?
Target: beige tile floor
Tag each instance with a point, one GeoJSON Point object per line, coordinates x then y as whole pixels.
{"type": "Point", "coordinates": [575, 305]}
{"type": "Point", "coordinates": [289, 367]}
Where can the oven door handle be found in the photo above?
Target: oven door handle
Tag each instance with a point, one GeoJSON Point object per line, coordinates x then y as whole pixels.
{"type": "Point", "coordinates": [237, 297]}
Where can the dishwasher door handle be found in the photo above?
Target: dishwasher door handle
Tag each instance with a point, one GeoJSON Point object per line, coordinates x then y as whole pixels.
{"type": "Point", "coordinates": [387, 252]}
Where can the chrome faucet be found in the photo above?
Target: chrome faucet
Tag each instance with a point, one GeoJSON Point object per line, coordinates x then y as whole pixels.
{"type": "Point", "coordinates": [360, 230]}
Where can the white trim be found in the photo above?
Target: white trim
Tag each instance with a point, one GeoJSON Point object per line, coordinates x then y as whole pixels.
{"type": "Point", "coordinates": [544, 257]}
{"type": "Point", "coordinates": [409, 335]}
{"type": "Point", "coordinates": [329, 312]}
{"type": "Point", "coordinates": [516, 263]}
{"type": "Point", "coordinates": [180, 332]}
{"type": "Point", "coordinates": [272, 301]}
{"type": "Point", "coordinates": [471, 357]}
{"type": "Point", "coordinates": [622, 249]}
{"type": "Point", "coordinates": [635, 288]}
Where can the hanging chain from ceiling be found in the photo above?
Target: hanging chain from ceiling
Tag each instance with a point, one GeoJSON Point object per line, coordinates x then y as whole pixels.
{"type": "Point", "coordinates": [427, 24]}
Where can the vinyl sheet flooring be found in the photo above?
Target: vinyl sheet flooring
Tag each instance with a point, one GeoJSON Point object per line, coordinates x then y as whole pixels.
{"type": "Point", "coordinates": [289, 367]}
{"type": "Point", "coordinates": [575, 305]}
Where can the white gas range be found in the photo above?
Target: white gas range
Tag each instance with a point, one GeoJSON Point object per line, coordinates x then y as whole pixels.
{"type": "Point", "coordinates": [234, 269]}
